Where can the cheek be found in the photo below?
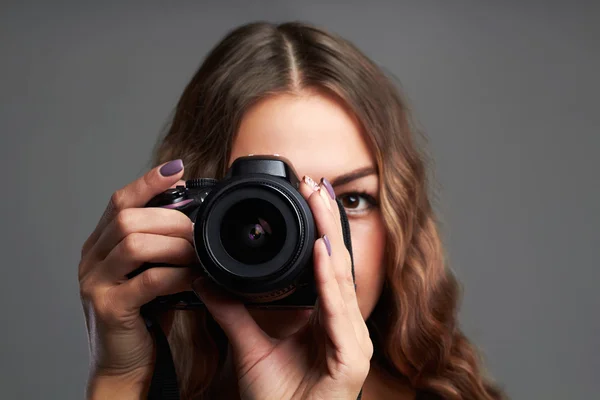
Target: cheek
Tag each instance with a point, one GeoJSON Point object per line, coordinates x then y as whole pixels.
{"type": "Point", "coordinates": [368, 244]}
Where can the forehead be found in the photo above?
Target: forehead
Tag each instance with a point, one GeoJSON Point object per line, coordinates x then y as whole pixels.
{"type": "Point", "coordinates": [314, 131]}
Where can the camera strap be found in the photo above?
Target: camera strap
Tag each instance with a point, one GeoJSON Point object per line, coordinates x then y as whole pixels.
{"type": "Point", "coordinates": [164, 384]}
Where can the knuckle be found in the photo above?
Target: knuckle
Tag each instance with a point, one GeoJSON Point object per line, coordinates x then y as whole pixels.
{"type": "Point", "coordinates": [124, 220]}
{"type": "Point", "coordinates": [81, 270]}
{"type": "Point", "coordinates": [132, 244]}
{"type": "Point", "coordinates": [150, 280]}
{"type": "Point", "coordinates": [117, 200]}
{"type": "Point", "coordinates": [85, 248]}
{"type": "Point", "coordinates": [86, 291]}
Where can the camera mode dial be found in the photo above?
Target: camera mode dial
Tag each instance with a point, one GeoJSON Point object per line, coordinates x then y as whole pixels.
{"type": "Point", "coordinates": [200, 183]}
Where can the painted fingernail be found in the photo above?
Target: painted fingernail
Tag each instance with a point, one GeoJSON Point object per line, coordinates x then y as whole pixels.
{"type": "Point", "coordinates": [311, 184]}
{"type": "Point", "coordinates": [171, 168]}
{"type": "Point", "coordinates": [329, 188]}
{"type": "Point", "coordinates": [327, 244]}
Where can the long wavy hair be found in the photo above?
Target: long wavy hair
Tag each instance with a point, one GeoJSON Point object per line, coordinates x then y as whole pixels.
{"type": "Point", "coordinates": [414, 324]}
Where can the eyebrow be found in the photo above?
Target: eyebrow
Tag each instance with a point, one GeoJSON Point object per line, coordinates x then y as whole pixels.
{"type": "Point", "coordinates": [354, 175]}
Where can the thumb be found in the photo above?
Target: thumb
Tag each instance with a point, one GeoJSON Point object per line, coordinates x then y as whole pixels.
{"type": "Point", "coordinates": [243, 332]}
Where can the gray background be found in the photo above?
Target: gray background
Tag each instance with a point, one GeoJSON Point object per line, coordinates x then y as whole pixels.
{"type": "Point", "coordinates": [506, 91]}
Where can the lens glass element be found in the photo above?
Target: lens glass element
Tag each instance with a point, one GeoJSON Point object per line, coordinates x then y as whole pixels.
{"type": "Point", "coordinates": [253, 231]}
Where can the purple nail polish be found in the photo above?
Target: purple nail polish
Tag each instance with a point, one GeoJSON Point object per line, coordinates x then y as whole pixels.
{"type": "Point", "coordinates": [171, 168]}
{"type": "Point", "coordinates": [329, 188]}
{"type": "Point", "coordinates": [327, 244]}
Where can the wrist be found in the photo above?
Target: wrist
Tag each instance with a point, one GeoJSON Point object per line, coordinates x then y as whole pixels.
{"type": "Point", "coordinates": [130, 385]}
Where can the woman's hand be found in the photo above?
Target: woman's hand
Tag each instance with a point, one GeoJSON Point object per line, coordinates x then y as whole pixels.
{"type": "Point", "coordinates": [127, 236]}
{"type": "Point", "coordinates": [329, 358]}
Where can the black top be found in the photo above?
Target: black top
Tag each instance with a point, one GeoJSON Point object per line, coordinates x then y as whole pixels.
{"type": "Point", "coordinates": [421, 395]}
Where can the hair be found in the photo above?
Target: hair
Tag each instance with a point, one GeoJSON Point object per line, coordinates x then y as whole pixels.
{"type": "Point", "coordinates": [414, 325]}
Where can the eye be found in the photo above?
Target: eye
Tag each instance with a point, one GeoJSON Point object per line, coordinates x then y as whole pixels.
{"type": "Point", "coordinates": [357, 202]}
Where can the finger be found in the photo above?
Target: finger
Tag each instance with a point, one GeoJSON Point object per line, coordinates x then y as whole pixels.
{"type": "Point", "coordinates": [332, 307]}
{"type": "Point", "coordinates": [232, 316]}
{"type": "Point", "coordinates": [145, 287]}
{"type": "Point", "coordinates": [329, 193]}
{"type": "Point", "coordinates": [136, 194]}
{"type": "Point", "coordinates": [341, 256]}
{"type": "Point", "coordinates": [327, 224]}
{"type": "Point", "coordinates": [157, 221]}
{"type": "Point", "coordinates": [138, 248]}
{"type": "Point", "coordinates": [309, 186]}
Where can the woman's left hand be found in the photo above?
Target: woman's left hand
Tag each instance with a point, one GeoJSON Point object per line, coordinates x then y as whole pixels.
{"type": "Point", "coordinates": [328, 358]}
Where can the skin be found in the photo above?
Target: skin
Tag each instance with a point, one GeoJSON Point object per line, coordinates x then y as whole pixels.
{"type": "Point", "coordinates": [323, 355]}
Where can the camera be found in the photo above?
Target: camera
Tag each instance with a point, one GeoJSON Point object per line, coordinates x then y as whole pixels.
{"type": "Point", "coordinates": [254, 234]}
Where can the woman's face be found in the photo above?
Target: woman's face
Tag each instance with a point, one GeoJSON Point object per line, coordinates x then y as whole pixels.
{"type": "Point", "coordinates": [322, 139]}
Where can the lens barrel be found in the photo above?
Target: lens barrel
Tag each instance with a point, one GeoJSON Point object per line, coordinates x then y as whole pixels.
{"type": "Point", "coordinates": [254, 236]}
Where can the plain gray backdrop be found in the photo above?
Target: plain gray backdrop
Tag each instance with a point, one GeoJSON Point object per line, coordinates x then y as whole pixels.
{"type": "Point", "coordinates": [507, 92]}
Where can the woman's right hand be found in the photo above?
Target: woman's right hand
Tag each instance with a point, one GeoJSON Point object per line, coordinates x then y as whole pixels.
{"type": "Point", "coordinates": [128, 235]}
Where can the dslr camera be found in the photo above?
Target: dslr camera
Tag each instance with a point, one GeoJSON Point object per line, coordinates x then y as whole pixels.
{"type": "Point", "coordinates": [254, 234]}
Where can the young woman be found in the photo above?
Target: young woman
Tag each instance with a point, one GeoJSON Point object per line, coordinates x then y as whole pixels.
{"type": "Point", "coordinates": [315, 99]}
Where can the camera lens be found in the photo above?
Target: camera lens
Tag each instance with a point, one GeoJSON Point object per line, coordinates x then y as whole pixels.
{"type": "Point", "coordinates": [253, 231]}
{"type": "Point", "coordinates": [254, 236]}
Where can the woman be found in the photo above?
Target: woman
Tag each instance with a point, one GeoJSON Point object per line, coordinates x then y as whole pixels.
{"type": "Point", "coordinates": [313, 98]}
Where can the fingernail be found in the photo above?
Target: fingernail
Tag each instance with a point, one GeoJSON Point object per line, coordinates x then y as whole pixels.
{"type": "Point", "coordinates": [171, 168]}
{"type": "Point", "coordinates": [325, 198]}
{"type": "Point", "coordinates": [312, 184]}
{"type": "Point", "coordinates": [329, 188]}
{"type": "Point", "coordinates": [327, 244]}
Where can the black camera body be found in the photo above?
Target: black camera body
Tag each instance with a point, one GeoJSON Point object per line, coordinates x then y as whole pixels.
{"type": "Point", "coordinates": [254, 234]}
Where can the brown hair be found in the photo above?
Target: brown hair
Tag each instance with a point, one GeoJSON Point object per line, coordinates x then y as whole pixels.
{"type": "Point", "coordinates": [414, 325]}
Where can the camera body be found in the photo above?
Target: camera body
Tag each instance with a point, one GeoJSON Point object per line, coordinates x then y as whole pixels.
{"type": "Point", "coordinates": [254, 234]}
